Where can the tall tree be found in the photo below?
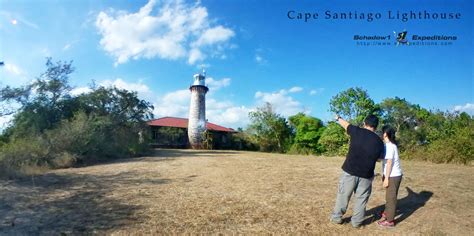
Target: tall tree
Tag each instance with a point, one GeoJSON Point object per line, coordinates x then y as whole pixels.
{"type": "Point", "coordinates": [121, 105]}
{"type": "Point", "coordinates": [43, 103]}
{"type": "Point", "coordinates": [399, 113]}
{"type": "Point", "coordinates": [269, 129]}
{"type": "Point", "coordinates": [408, 119]}
{"type": "Point", "coordinates": [354, 104]}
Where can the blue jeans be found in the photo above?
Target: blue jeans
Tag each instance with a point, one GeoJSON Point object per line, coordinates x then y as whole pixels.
{"type": "Point", "coordinates": [361, 187]}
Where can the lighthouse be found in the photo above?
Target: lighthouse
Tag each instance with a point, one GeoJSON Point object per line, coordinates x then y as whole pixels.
{"type": "Point", "coordinates": [197, 111]}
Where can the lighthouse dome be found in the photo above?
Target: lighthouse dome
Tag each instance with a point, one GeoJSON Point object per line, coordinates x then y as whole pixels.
{"type": "Point", "coordinates": [199, 79]}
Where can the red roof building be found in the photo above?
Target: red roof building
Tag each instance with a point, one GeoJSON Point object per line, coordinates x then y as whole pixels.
{"type": "Point", "coordinates": [171, 132]}
{"type": "Point", "coordinates": [183, 123]}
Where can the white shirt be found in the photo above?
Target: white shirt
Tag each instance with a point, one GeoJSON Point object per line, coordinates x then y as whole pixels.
{"type": "Point", "coordinates": [391, 153]}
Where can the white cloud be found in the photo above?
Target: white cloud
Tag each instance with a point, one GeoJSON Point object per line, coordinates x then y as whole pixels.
{"type": "Point", "coordinates": [259, 59]}
{"type": "Point", "coordinates": [316, 91]}
{"type": "Point", "coordinates": [260, 55]}
{"type": "Point", "coordinates": [468, 108]}
{"type": "Point", "coordinates": [28, 23]}
{"type": "Point", "coordinates": [295, 89]}
{"type": "Point", "coordinates": [142, 89]}
{"type": "Point", "coordinates": [281, 101]}
{"type": "Point", "coordinates": [66, 47]}
{"type": "Point", "coordinates": [215, 35]}
{"type": "Point", "coordinates": [195, 55]}
{"type": "Point", "coordinates": [177, 30]}
{"type": "Point", "coordinates": [13, 75]}
{"type": "Point", "coordinates": [181, 97]}
{"type": "Point", "coordinates": [215, 85]}
{"type": "Point", "coordinates": [174, 103]}
{"type": "Point", "coordinates": [221, 112]}
{"type": "Point", "coordinates": [5, 121]}
{"type": "Point", "coordinates": [46, 52]}
{"type": "Point", "coordinates": [80, 90]}
{"type": "Point", "coordinates": [203, 66]}
{"type": "Point", "coordinates": [13, 69]}
{"type": "Point", "coordinates": [229, 116]}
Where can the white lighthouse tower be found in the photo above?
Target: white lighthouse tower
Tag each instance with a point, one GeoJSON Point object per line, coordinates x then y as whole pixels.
{"type": "Point", "coordinates": [197, 111]}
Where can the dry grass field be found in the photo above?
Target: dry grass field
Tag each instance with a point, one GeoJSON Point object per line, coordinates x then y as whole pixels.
{"type": "Point", "coordinates": [228, 192]}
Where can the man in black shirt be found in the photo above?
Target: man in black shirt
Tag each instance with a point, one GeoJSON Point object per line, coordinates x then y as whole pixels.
{"type": "Point", "coordinates": [365, 149]}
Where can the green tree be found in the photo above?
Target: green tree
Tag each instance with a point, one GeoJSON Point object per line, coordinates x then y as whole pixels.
{"type": "Point", "coordinates": [334, 140]}
{"type": "Point", "coordinates": [398, 113]}
{"type": "Point", "coordinates": [123, 106]}
{"type": "Point", "coordinates": [269, 129]}
{"type": "Point", "coordinates": [406, 118]}
{"type": "Point", "coordinates": [449, 137]}
{"type": "Point", "coordinates": [307, 131]}
{"type": "Point", "coordinates": [354, 104]}
{"type": "Point", "coordinates": [43, 103]}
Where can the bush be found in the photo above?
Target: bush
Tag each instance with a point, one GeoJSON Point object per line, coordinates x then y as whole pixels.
{"type": "Point", "coordinates": [81, 140]}
{"type": "Point", "coordinates": [22, 153]}
{"type": "Point", "coordinates": [455, 148]}
{"type": "Point", "coordinates": [242, 141]}
{"type": "Point", "coordinates": [302, 150]}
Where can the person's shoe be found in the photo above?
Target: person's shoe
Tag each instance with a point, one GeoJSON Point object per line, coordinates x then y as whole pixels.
{"type": "Point", "coordinates": [336, 221]}
{"type": "Point", "coordinates": [386, 224]}
{"type": "Point", "coordinates": [383, 216]}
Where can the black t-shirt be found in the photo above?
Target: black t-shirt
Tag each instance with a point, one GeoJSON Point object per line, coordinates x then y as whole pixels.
{"type": "Point", "coordinates": [364, 150]}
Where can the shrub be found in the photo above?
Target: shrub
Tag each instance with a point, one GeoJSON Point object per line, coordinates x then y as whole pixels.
{"type": "Point", "coordinates": [80, 140]}
{"type": "Point", "coordinates": [243, 141]}
{"type": "Point", "coordinates": [22, 153]}
{"type": "Point", "coordinates": [298, 149]}
{"type": "Point", "coordinates": [455, 148]}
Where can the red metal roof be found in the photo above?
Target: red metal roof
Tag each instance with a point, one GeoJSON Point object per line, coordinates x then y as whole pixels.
{"type": "Point", "coordinates": [183, 123]}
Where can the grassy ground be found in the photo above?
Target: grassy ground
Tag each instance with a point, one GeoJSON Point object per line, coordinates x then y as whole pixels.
{"type": "Point", "coordinates": [185, 191]}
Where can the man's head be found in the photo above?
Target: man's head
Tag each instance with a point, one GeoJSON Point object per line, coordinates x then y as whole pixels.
{"type": "Point", "coordinates": [371, 121]}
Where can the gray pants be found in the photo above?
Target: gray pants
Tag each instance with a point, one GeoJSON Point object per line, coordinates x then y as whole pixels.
{"type": "Point", "coordinates": [361, 187]}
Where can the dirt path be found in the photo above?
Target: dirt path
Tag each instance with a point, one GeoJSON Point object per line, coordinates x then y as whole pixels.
{"type": "Point", "coordinates": [184, 191]}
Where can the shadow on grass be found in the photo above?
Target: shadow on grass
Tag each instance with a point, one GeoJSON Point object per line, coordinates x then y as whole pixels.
{"type": "Point", "coordinates": [405, 206]}
{"type": "Point", "coordinates": [69, 204]}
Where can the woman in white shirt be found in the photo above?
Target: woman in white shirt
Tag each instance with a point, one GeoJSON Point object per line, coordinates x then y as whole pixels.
{"type": "Point", "coordinates": [392, 176]}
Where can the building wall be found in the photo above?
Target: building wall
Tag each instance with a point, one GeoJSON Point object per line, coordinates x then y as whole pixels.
{"type": "Point", "coordinates": [169, 137]}
{"type": "Point", "coordinates": [172, 137]}
{"type": "Point", "coordinates": [221, 140]}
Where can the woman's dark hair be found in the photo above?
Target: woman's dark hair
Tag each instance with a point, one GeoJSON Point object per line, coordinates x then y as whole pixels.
{"type": "Point", "coordinates": [386, 129]}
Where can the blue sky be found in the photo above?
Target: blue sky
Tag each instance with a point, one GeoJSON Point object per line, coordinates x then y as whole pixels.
{"type": "Point", "coordinates": [252, 52]}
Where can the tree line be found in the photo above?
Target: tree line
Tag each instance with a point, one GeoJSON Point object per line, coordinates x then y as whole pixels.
{"type": "Point", "coordinates": [435, 136]}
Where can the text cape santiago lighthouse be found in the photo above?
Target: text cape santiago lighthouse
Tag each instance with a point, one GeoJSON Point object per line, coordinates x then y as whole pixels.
{"type": "Point", "coordinates": [403, 16]}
